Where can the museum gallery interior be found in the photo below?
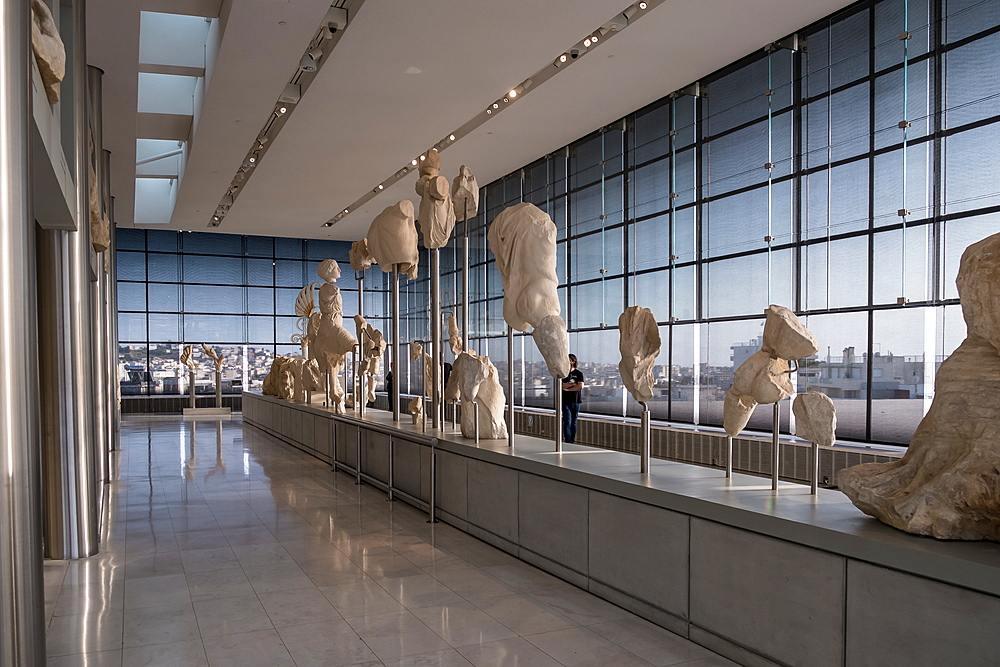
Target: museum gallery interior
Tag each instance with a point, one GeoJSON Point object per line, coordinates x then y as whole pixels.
{"type": "Point", "coordinates": [526, 333]}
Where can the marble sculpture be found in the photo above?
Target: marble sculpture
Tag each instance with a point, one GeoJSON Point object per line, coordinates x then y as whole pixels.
{"type": "Point", "coordinates": [50, 53]}
{"type": "Point", "coordinates": [392, 239]}
{"type": "Point", "coordinates": [187, 358]}
{"type": "Point", "coordinates": [454, 336]}
{"type": "Point", "coordinates": [373, 346]}
{"type": "Point", "coordinates": [361, 256]}
{"type": "Point", "coordinates": [815, 418]}
{"type": "Point", "coordinates": [947, 485]}
{"type": "Point", "coordinates": [417, 354]}
{"type": "Point", "coordinates": [100, 226]}
{"type": "Point", "coordinates": [437, 215]}
{"type": "Point", "coordinates": [291, 377]}
{"type": "Point", "coordinates": [474, 380]}
{"type": "Point", "coordinates": [214, 356]}
{"type": "Point", "coordinates": [465, 194]}
{"type": "Point", "coordinates": [764, 377]}
{"type": "Point", "coordinates": [523, 240]}
{"type": "Point", "coordinates": [329, 341]}
{"type": "Point", "coordinates": [639, 344]}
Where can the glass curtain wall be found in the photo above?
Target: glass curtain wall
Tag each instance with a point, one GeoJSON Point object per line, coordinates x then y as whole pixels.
{"type": "Point", "coordinates": [234, 293]}
{"type": "Point", "coordinates": [841, 174]}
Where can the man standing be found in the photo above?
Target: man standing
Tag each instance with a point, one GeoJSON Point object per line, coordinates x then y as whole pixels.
{"type": "Point", "coordinates": [572, 390]}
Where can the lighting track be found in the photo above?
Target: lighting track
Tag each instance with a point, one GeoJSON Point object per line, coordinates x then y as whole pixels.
{"type": "Point", "coordinates": [316, 54]}
{"type": "Point", "coordinates": [595, 39]}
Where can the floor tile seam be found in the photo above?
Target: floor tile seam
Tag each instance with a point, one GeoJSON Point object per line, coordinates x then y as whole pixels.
{"type": "Point", "coordinates": [597, 636]}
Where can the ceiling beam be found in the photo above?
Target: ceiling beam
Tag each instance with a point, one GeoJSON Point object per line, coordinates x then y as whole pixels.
{"type": "Point", "coordinates": [163, 126]}
{"type": "Point", "coordinates": [176, 70]}
{"type": "Point", "coordinates": [206, 8]}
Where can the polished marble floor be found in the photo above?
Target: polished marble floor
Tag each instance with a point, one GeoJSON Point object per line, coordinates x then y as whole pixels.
{"type": "Point", "coordinates": [222, 546]}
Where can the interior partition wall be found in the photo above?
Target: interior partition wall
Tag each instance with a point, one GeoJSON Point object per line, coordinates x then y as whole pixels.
{"type": "Point", "coordinates": [840, 172]}
{"type": "Point", "coordinates": [234, 293]}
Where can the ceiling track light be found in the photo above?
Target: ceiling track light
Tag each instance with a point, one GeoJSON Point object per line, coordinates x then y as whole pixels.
{"type": "Point", "coordinates": [451, 137]}
{"type": "Point", "coordinates": [642, 5]}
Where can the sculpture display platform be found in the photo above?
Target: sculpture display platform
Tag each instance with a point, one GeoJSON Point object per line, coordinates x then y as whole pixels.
{"type": "Point", "coordinates": [639, 344]}
{"type": "Point", "coordinates": [948, 484]}
{"type": "Point", "coordinates": [437, 215]}
{"type": "Point", "coordinates": [475, 381]}
{"type": "Point", "coordinates": [392, 239]}
{"type": "Point", "coordinates": [523, 240]}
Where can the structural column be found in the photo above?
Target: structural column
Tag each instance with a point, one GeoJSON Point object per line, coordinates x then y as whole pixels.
{"type": "Point", "coordinates": [102, 426]}
{"type": "Point", "coordinates": [22, 602]}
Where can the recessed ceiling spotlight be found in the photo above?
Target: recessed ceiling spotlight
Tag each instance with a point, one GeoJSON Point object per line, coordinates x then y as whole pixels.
{"type": "Point", "coordinates": [594, 39]}
{"type": "Point", "coordinates": [489, 111]}
{"type": "Point", "coordinates": [328, 224]}
{"type": "Point", "coordinates": [423, 157]}
{"type": "Point", "coordinates": [413, 162]}
{"type": "Point", "coordinates": [380, 186]}
{"type": "Point", "coordinates": [642, 5]}
{"type": "Point", "coordinates": [513, 93]}
{"type": "Point", "coordinates": [496, 106]}
{"type": "Point", "coordinates": [506, 100]}
{"type": "Point", "coordinates": [563, 58]}
{"type": "Point", "coordinates": [451, 137]}
{"type": "Point", "coordinates": [345, 211]}
{"type": "Point", "coordinates": [586, 42]}
{"type": "Point", "coordinates": [282, 110]}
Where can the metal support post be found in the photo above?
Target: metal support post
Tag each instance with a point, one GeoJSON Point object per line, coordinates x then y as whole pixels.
{"type": "Point", "coordinates": [357, 462]}
{"type": "Point", "coordinates": [191, 387]}
{"type": "Point", "coordinates": [475, 418]}
{"type": "Point", "coordinates": [729, 456]}
{"type": "Point", "coordinates": [646, 435]}
{"type": "Point", "coordinates": [510, 386]}
{"type": "Point", "coordinates": [396, 377]}
{"type": "Point", "coordinates": [557, 383]}
{"type": "Point", "coordinates": [465, 280]}
{"type": "Point", "coordinates": [433, 500]}
{"type": "Point", "coordinates": [218, 389]}
{"type": "Point", "coordinates": [775, 445]}
{"type": "Point", "coordinates": [22, 601]}
{"type": "Point", "coordinates": [436, 336]}
{"type": "Point", "coordinates": [814, 486]}
{"type": "Point", "coordinates": [392, 475]}
{"type": "Point", "coordinates": [454, 415]}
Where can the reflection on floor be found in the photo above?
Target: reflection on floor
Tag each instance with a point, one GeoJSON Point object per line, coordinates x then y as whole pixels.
{"type": "Point", "coordinates": [223, 546]}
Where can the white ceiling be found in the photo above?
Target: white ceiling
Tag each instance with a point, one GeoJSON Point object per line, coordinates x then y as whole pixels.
{"type": "Point", "coordinates": [364, 116]}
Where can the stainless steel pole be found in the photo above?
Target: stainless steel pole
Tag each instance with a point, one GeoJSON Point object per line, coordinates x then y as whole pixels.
{"type": "Point", "coordinates": [396, 377]}
{"type": "Point", "coordinates": [775, 447]}
{"type": "Point", "coordinates": [357, 462]}
{"type": "Point", "coordinates": [111, 309]}
{"type": "Point", "coordinates": [392, 476]}
{"type": "Point", "coordinates": [191, 387]}
{"type": "Point", "coordinates": [22, 601]}
{"type": "Point", "coordinates": [646, 436]}
{"type": "Point", "coordinates": [557, 386]}
{"type": "Point", "coordinates": [510, 386]}
{"type": "Point", "coordinates": [433, 490]}
{"type": "Point", "coordinates": [475, 418]}
{"type": "Point", "coordinates": [729, 456]}
{"type": "Point", "coordinates": [465, 280]}
{"type": "Point", "coordinates": [814, 486]}
{"type": "Point", "coordinates": [436, 336]}
{"type": "Point", "coordinates": [218, 389]}
{"type": "Point", "coordinates": [81, 309]}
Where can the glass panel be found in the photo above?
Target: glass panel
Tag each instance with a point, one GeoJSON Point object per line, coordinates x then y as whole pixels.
{"type": "Point", "coordinates": [903, 367]}
{"type": "Point", "coordinates": [131, 296]}
{"type": "Point", "coordinates": [132, 370]}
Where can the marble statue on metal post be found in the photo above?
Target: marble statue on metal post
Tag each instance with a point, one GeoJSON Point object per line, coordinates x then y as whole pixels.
{"type": "Point", "coordinates": [437, 215]}
{"type": "Point", "coordinates": [392, 239]}
{"type": "Point", "coordinates": [947, 485]}
{"type": "Point", "coordinates": [305, 305]}
{"type": "Point", "coordinates": [100, 226]}
{"type": "Point", "coordinates": [454, 336]}
{"type": "Point", "coordinates": [465, 194]}
{"type": "Point", "coordinates": [216, 358]}
{"type": "Point", "coordinates": [329, 341]}
{"type": "Point", "coordinates": [417, 354]}
{"type": "Point", "coordinates": [764, 377]}
{"type": "Point", "coordinates": [815, 418]}
{"type": "Point", "coordinates": [474, 380]}
{"type": "Point", "coordinates": [639, 344]}
{"type": "Point", "coordinates": [50, 52]}
{"type": "Point", "coordinates": [523, 240]}
{"type": "Point", "coordinates": [372, 348]}
{"type": "Point", "coordinates": [361, 256]}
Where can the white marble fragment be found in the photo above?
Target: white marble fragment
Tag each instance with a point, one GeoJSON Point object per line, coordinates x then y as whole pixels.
{"type": "Point", "coordinates": [392, 239]}
{"type": "Point", "coordinates": [214, 356]}
{"type": "Point", "coordinates": [786, 337]}
{"type": "Point", "coordinates": [187, 358]}
{"type": "Point", "coordinates": [815, 418]}
{"type": "Point", "coordinates": [523, 240]}
{"type": "Point", "coordinates": [415, 408]}
{"type": "Point", "coordinates": [465, 194]}
{"type": "Point", "coordinates": [639, 344]}
{"type": "Point", "coordinates": [552, 342]}
{"type": "Point", "coordinates": [454, 336]}
{"type": "Point", "coordinates": [946, 485]}
{"type": "Point", "coordinates": [360, 256]}
{"type": "Point", "coordinates": [372, 345]}
{"type": "Point", "coordinates": [737, 410]}
{"type": "Point", "coordinates": [100, 226]}
{"type": "Point", "coordinates": [50, 53]}
{"type": "Point", "coordinates": [329, 341]}
{"type": "Point", "coordinates": [437, 215]}
{"type": "Point", "coordinates": [474, 380]}
{"type": "Point", "coordinates": [417, 354]}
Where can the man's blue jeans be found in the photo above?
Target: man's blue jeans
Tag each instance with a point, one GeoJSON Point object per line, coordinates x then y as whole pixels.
{"type": "Point", "coordinates": [570, 412]}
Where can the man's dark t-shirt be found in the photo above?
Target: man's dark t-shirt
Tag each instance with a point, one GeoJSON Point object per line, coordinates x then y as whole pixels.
{"type": "Point", "coordinates": [572, 396]}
